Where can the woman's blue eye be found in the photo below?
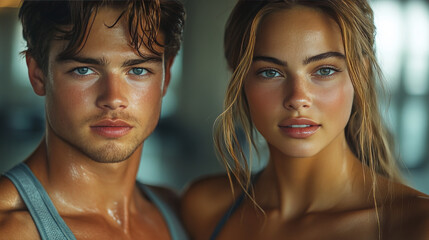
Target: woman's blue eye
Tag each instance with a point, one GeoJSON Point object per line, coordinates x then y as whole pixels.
{"type": "Point", "coordinates": [83, 71]}
{"type": "Point", "coordinates": [138, 71]}
{"type": "Point", "coordinates": [270, 73]}
{"type": "Point", "coordinates": [325, 71]}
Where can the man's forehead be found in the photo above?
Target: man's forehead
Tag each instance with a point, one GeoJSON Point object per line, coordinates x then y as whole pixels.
{"type": "Point", "coordinates": [110, 25]}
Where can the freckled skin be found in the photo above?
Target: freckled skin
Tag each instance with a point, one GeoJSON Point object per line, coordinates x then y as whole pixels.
{"type": "Point", "coordinates": [312, 187]}
{"type": "Point", "coordinates": [90, 177]}
{"type": "Point", "coordinates": [326, 101]}
{"type": "Point", "coordinates": [73, 105]}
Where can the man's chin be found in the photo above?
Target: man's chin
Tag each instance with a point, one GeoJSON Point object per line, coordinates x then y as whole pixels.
{"type": "Point", "coordinates": [111, 153]}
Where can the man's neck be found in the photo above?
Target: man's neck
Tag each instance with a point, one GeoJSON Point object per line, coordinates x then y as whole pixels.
{"type": "Point", "coordinates": [77, 184]}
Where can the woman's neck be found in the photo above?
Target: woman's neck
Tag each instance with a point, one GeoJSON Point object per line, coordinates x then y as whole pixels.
{"type": "Point", "coordinates": [328, 181]}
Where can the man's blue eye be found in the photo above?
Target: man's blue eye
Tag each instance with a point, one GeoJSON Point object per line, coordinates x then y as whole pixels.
{"type": "Point", "coordinates": [138, 71]}
{"type": "Point", "coordinates": [325, 71]}
{"type": "Point", "coordinates": [83, 71]}
{"type": "Point", "coordinates": [270, 73]}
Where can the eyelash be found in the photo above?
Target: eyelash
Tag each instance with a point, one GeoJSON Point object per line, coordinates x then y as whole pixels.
{"type": "Point", "coordinates": [261, 72]}
{"type": "Point", "coordinates": [145, 70]}
{"type": "Point", "coordinates": [75, 74]}
{"type": "Point", "coordinates": [75, 70]}
{"type": "Point", "coordinates": [332, 68]}
{"type": "Point", "coordinates": [279, 74]}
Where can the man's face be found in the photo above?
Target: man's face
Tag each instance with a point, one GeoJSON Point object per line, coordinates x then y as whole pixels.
{"type": "Point", "coordinates": [105, 101]}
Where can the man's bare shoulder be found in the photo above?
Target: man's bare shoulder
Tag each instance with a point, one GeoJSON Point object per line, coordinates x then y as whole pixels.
{"type": "Point", "coordinates": [204, 202]}
{"type": "Point", "coordinates": [15, 220]}
{"type": "Point", "coordinates": [9, 196]}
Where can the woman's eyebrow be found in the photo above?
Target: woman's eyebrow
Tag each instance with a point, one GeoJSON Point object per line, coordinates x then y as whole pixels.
{"type": "Point", "coordinates": [323, 56]}
{"type": "Point", "coordinates": [305, 62]}
{"type": "Point", "coordinates": [270, 59]}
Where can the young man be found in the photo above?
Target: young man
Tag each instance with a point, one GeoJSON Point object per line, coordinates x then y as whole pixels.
{"type": "Point", "coordinates": [103, 67]}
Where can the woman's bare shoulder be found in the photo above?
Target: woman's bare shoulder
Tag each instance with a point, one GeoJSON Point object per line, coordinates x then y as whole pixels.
{"type": "Point", "coordinates": [407, 215]}
{"type": "Point", "coordinates": [203, 204]}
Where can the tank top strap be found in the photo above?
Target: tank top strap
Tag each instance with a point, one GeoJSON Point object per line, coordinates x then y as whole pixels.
{"type": "Point", "coordinates": [49, 223]}
{"type": "Point", "coordinates": [231, 210]}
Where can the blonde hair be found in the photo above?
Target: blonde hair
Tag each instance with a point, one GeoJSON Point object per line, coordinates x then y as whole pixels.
{"type": "Point", "coordinates": [365, 132]}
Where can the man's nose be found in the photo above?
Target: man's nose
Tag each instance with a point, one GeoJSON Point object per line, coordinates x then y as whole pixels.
{"type": "Point", "coordinates": [112, 93]}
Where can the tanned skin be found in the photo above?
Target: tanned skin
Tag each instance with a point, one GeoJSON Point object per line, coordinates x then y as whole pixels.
{"type": "Point", "coordinates": [313, 187]}
{"type": "Point", "coordinates": [100, 107]}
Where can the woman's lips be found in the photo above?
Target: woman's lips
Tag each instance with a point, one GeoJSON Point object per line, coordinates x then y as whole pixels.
{"type": "Point", "coordinates": [111, 128]}
{"type": "Point", "coordinates": [299, 127]}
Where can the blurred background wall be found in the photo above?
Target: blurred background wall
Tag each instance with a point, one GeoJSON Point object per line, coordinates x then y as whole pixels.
{"type": "Point", "coordinates": [181, 148]}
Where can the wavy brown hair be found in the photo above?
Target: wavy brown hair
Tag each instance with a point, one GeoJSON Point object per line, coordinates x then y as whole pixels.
{"type": "Point", "coordinates": [365, 132]}
{"type": "Point", "coordinates": [71, 20]}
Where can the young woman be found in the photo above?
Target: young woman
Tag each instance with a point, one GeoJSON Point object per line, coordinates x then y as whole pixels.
{"type": "Point", "coordinates": [304, 76]}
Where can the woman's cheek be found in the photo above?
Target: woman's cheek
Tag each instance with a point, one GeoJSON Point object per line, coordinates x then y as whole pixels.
{"type": "Point", "coordinates": [336, 101]}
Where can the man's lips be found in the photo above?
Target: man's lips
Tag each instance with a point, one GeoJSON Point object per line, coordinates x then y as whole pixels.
{"type": "Point", "coordinates": [111, 128]}
{"type": "Point", "coordinates": [111, 123]}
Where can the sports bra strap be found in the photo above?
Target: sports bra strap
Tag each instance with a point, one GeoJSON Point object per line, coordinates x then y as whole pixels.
{"type": "Point", "coordinates": [231, 210]}
{"type": "Point", "coordinates": [226, 216]}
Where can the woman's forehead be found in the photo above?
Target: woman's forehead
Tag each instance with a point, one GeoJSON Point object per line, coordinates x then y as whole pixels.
{"type": "Point", "coordinates": [302, 29]}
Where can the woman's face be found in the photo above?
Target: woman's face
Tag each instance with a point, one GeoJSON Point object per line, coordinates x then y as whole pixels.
{"type": "Point", "coordinates": [298, 88]}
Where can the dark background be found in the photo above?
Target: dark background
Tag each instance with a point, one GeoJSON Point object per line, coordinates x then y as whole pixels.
{"type": "Point", "coordinates": [181, 148]}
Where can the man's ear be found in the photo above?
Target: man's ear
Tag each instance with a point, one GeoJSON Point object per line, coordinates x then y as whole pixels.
{"type": "Point", "coordinates": [167, 75]}
{"type": "Point", "coordinates": [35, 73]}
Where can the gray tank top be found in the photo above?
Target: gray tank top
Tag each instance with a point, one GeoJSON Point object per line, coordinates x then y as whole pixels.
{"type": "Point", "coordinates": [50, 224]}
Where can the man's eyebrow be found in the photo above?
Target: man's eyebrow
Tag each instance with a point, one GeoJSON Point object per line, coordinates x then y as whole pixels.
{"type": "Point", "coordinates": [270, 59]}
{"type": "Point", "coordinates": [323, 56]}
{"type": "Point", "coordinates": [103, 61]}
{"type": "Point", "coordinates": [85, 60]}
{"type": "Point", "coordinates": [141, 60]}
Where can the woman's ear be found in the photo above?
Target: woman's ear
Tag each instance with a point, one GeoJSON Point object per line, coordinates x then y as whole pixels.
{"type": "Point", "coordinates": [35, 73]}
